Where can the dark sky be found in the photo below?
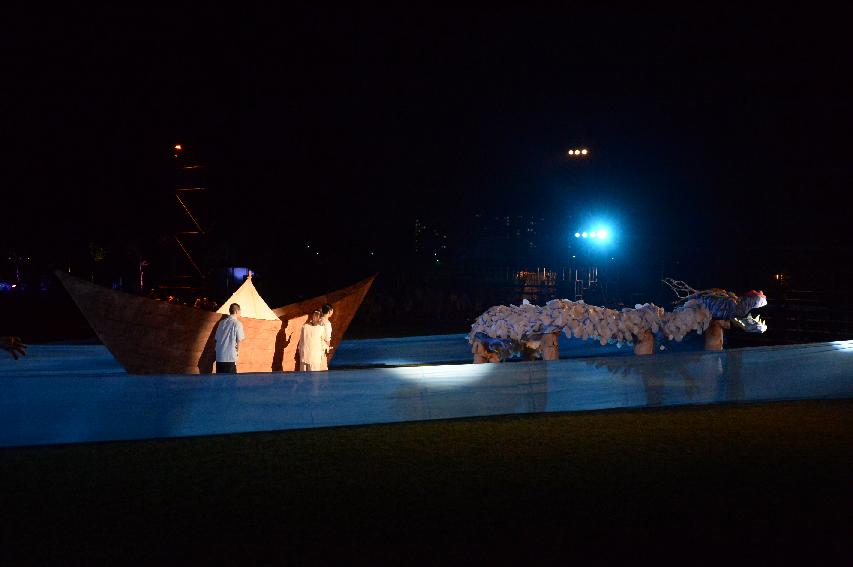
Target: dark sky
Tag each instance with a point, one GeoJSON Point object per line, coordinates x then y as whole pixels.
{"type": "Point", "coordinates": [708, 128]}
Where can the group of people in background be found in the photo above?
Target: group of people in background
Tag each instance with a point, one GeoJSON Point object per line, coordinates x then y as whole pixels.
{"type": "Point", "coordinates": [315, 340]}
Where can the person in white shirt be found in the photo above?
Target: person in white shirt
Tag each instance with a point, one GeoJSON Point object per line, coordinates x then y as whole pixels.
{"type": "Point", "coordinates": [312, 345]}
{"type": "Point", "coordinates": [326, 313]}
{"type": "Point", "coordinates": [229, 333]}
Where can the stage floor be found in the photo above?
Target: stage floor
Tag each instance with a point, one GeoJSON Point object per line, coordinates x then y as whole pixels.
{"type": "Point", "coordinates": [453, 349]}
{"type": "Point", "coordinates": [71, 394]}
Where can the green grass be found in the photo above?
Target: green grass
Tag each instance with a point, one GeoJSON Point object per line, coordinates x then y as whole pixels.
{"type": "Point", "coordinates": [773, 478]}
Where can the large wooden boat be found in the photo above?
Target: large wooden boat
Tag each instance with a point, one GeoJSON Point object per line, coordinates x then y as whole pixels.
{"type": "Point", "coordinates": [147, 336]}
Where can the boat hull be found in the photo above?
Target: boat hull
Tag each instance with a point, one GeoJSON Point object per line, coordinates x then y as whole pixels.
{"type": "Point", "coordinates": [147, 336]}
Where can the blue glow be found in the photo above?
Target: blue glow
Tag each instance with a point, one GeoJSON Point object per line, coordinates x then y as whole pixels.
{"type": "Point", "coordinates": [599, 232]}
{"type": "Point", "coordinates": [239, 273]}
{"type": "Point", "coordinates": [602, 233]}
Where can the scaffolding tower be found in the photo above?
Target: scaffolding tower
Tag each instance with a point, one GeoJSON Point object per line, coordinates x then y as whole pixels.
{"type": "Point", "coordinates": [585, 278]}
{"type": "Point", "coordinates": [187, 277]}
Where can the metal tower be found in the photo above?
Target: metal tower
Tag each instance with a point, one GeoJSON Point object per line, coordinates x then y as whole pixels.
{"type": "Point", "coordinates": [187, 277]}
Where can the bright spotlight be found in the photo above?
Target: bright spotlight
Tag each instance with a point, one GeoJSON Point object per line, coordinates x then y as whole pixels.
{"type": "Point", "coordinates": [583, 151]}
{"type": "Point", "coordinates": [599, 236]}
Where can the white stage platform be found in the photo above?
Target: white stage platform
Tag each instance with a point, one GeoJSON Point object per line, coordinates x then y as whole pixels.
{"type": "Point", "coordinates": [71, 394]}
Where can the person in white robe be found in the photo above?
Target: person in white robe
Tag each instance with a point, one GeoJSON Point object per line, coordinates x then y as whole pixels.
{"type": "Point", "coordinates": [312, 345]}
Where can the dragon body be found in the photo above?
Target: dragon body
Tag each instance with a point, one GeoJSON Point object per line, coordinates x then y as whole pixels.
{"type": "Point", "coordinates": [507, 330]}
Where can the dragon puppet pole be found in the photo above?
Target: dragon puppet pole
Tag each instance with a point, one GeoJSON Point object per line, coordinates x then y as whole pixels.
{"type": "Point", "coordinates": [645, 345]}
{"type": "Point", "coordinates": [714, 334]}
{"type": "Point", "coordinates": [483, 354]}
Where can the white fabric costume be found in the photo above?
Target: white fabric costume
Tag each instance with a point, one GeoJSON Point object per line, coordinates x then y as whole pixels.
{"type": "Point", "coordinates": [312, 348]}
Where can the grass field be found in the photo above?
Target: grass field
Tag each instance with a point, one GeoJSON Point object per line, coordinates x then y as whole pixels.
{"type": "Point", "coordinates": [684, 485]}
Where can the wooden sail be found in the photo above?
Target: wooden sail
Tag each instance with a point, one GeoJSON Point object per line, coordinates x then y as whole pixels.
{"type": "Point", "coordinates": [147, 336]}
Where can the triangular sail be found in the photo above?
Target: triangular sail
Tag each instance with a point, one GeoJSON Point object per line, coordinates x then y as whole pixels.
{"type": "Point", "coordinates": [250, 302]}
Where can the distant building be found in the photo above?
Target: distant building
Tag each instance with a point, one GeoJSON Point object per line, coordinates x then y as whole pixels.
{"type": "Point", "coordinates": [430, 239]}
{"type": "Point", "coordinates": [515, 238]}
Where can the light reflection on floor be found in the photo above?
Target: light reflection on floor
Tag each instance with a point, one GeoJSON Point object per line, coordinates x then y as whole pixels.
{"type": "Point", "coordinates": [846, 346]}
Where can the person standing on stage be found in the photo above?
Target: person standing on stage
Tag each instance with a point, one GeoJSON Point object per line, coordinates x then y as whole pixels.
{"type": "Point", "coordinates": [312, 345]}
{"type": "Point", "coordinates": [229, 333]}
{"type": "Point", "coordinates": [326, 313]}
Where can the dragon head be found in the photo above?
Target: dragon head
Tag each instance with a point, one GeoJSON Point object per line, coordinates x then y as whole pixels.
{"type": "Point", "coordinates": [749, 301]}
{"type": "Point", "coordinates": [750, 324]}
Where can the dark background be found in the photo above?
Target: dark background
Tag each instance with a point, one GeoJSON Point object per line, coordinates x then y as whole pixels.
{"type": "Point", "coordinates": [718, 150]}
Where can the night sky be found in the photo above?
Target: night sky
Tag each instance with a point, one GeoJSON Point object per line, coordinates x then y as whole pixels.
{"type": "Point", "coordinates": [714, 130]}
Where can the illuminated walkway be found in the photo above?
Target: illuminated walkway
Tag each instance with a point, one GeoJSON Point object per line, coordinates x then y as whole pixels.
{"type": "Point", "coordinates": [69, 394]}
